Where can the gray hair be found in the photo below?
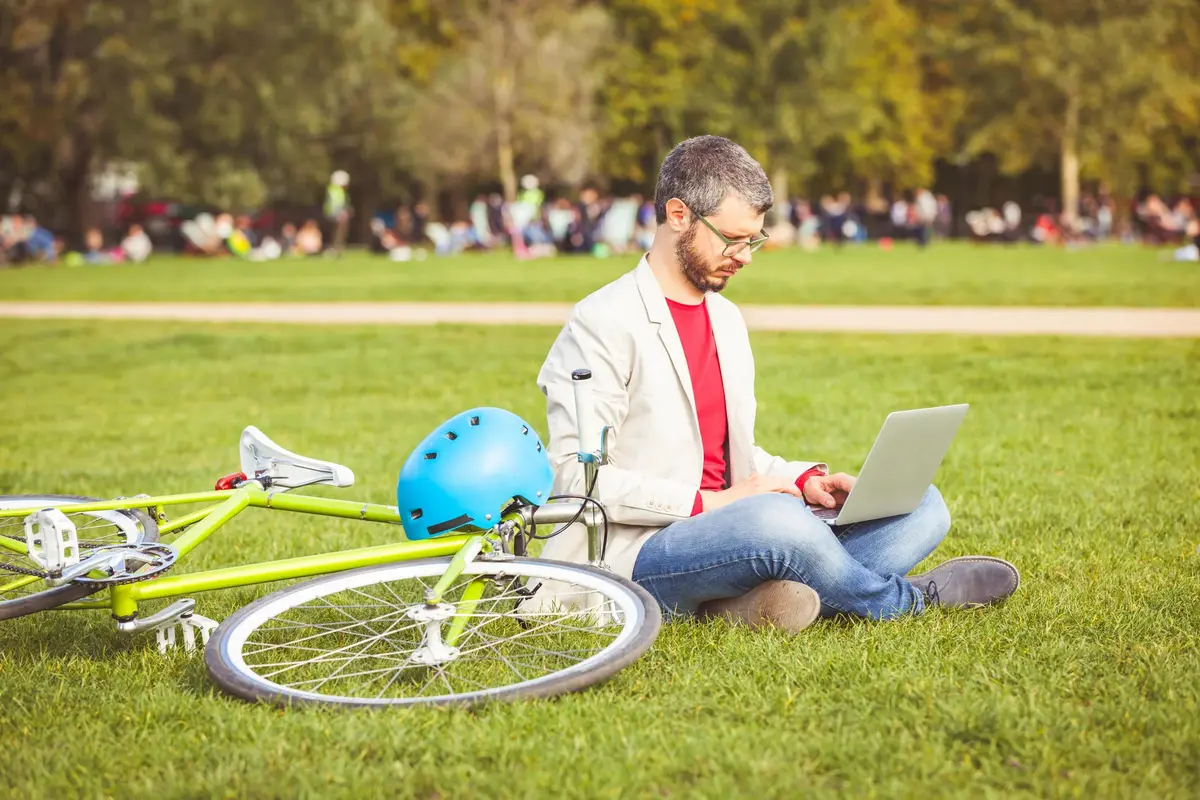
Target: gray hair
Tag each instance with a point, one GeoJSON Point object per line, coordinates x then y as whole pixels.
{"type": "Point", "coordinates": [701, 171]}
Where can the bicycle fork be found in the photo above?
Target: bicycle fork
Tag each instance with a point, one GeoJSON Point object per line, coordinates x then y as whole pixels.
{"type": "Point", "coordinates": [439, 648]}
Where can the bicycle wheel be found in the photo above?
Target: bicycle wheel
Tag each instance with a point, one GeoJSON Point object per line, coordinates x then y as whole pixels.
{"type": "Point", "coordinates": [348, 639]}
{"type": "Point", "coordinates": [94, 529]}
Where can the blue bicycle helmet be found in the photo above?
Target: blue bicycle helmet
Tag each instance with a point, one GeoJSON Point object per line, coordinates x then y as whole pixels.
{"type": "Point", "coordinates": [464, 473]}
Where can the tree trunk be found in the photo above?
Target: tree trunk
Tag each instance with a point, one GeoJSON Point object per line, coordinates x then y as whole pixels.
{"type": "Point", "coordinates": [502, 91]}
{"type": "Point", "coordinates": [1069, 162]}
{"type": "Point", "coordinates": [874, 201]}
{"type": "Point", "coordinates": [367, 200]}
{"type": "Point", "coordinates": [779, 184]}
{"type": "Point", "coordinates": [498, 35]}
{"type": "Point", "coordinates": [77, 195]}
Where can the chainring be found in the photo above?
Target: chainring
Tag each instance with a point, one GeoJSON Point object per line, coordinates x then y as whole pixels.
{"type": "Point", "coordinates": [137, 562]}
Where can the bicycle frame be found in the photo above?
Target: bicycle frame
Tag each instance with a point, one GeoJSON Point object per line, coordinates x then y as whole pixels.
{"type": "Point", "coordinates": [197, 526]}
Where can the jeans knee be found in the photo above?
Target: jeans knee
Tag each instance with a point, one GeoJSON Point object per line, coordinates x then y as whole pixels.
{"type": "Point", "coordinates": [781, 523]}
{"type": "Point", "coordinates": [934, 513]}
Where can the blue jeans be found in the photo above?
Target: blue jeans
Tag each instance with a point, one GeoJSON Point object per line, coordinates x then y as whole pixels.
{"type": "Point", "coordinates": [856, 569]}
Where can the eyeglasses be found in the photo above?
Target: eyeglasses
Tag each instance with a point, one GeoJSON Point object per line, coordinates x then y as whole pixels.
{"type": "Point", "coordinates": [735, 246]}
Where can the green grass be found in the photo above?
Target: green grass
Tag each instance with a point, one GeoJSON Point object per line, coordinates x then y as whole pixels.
{"type": "Point", "coordinates": [1077, 461]}
{"type": "Point", "coordinates": [946, 274]}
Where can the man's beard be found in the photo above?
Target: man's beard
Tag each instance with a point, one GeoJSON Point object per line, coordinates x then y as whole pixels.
{"type": "Point", "coordinates": [694, 266]}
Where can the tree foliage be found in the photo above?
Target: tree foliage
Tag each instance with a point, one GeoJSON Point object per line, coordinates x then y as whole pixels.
{"type": "Point", "coordinates": [512, 84]}
{"type": "Point", "coordinates": [1089, 84]}
{"type": "Point", "coordinates": [238, 104]}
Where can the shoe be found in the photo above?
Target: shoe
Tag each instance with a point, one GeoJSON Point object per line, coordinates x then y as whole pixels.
{"type": "Point", "coordinates": [789, 606]}
{"type": "Point", "coordinates": [967, 582]}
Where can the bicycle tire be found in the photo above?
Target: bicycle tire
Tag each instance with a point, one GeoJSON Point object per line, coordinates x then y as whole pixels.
{"type": "Point", "coordinates": [224, 653]}
{"type": "Point", "coordinates": [55, 596]}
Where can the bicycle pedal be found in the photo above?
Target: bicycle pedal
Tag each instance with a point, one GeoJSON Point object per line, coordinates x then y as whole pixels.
{"type": "Point", "coordinates": [166, 635]}
{"type": "Point", "coordinates": [51, 540]}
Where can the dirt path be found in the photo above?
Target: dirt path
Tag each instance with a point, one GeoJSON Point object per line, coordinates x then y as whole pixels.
{"type": "Point", "coordinates": [995, 320]}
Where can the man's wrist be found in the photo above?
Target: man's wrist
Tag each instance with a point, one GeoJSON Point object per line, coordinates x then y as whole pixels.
{"type": "Point", "coordinates": [812, 472]}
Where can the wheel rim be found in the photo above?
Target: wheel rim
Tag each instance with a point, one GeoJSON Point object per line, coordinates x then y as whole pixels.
{"type": "Point", "coordinates": [94, 529]}
{"type": "Point", "coordinates": [346, 639]}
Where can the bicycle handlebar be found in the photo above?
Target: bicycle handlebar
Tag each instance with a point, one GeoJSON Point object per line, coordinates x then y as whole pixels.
{"type": "Point", "coordinates": [585, 415]}
{"type": "Point", "coordinates": [558, 512]}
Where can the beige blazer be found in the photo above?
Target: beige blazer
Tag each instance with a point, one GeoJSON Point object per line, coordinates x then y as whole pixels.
{"type": "Point", "coordinates": [625, 335]}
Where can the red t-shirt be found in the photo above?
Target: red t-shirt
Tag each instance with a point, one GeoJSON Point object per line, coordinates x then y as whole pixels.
{"type": "Point", "coordinates": [708, 389]}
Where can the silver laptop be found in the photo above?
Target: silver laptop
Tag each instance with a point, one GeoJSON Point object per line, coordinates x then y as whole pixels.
{"type": "Point", "coordinates": [900, 467]}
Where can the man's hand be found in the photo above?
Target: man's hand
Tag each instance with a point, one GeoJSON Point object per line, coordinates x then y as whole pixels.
{"type": "Point", "coordinates": [828, 490]}
{"type": "Point", "coordinates": [755, 484]}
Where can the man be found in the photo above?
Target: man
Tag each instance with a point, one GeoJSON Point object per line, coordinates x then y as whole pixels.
{"type": "Point", "coordinates": [708, 522]}
{"type": "Point", "coordinates": [338, 210]}
{"type": "Point", "coordinates": [927, 211]}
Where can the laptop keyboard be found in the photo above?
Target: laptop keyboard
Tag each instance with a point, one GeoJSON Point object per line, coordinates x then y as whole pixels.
{"type": "Point", "coordinates": [820, 512]}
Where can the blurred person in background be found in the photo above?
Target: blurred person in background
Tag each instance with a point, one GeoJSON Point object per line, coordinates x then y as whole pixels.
{"type": "Point", "coordinates": [644, 233]}
{"type": "Point", "coordinates": [287, 239]}
{"type": "Point", "coordinates": [840, 221]}
{"type": "Point", "coordinates": [927, 211]}
{"type": "Point", "coordinates": [136, 245]}
{"type": "Point", "coordinates": [13, 236]}
{"type": "Point", "coordinates": [202, 235]}
{"type": "Point", "coordinates": [404, 228]}
{"type": "Point", "coordinates": [808, 232]}
{"type": "Point", "coordinates": [480, 221]}
{"type": "Point", "coordinates": [531, 193]}
{"type": "Point", "coordinates": [93, 251]}
{"type": "Point", "coordinates": [581, 235]}
{"type": "Point", "coordinates": [524, 220]}
{"type": "Point", "coordinates": [1046, 229]}
{"type": "Point", "coordinates": [383, 238]}
{"type": "Point", "coordinates": [39, 241]}
{"type": "Point", "coordinates": [308, 239]}
{"type": "Point", "coordinates": [496, 218]}
{"type": "Point", "coordinates": [1011, 212]}
{"type": "Point", "coordinates": [1187, 217]}
{"type": "Point", "coordinates": [420, 215]}
{"type": "Point", "coordinates": [899, 215]}
{"type": "Point", "coordinates": [337, 210]}
{"type": "Point", "coordinates": [1104, 216]}
{"type": "Point", "coordinates": [944, 225]}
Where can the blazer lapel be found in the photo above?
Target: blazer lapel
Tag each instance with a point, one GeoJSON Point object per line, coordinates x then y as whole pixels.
{"type": "Point", "coordinates": [731, 352]}
{"type": "Point", "coordinates": [658, 313]}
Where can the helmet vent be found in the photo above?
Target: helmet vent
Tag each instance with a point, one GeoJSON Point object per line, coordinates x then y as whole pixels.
{"type": "Point", "coordinates": [539, 447]}
{"type": "Point", "coordinates": [451, 435]}
{"type": "Point", "coordinates": [431, 455]}
{"type": "Point", "coordinates": [415, 513]}
{"type": "Point", "coordinates": [474, 421]}
{"type": "Point", "coordinates": [525, 430]}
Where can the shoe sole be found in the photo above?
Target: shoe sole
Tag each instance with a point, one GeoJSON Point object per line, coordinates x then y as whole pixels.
{"type": "Point", "coordinates": [789, 606]}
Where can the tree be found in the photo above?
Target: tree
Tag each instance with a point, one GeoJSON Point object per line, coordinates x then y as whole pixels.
{"type": "Point", "coordinates": [76, 89]}
{"type": "Point", "coordinates": [1088, 82]}
{"type": "Point", "coordinates": [514, 81]}
{"type": "Point", "coordinates": [213, 100]}
{"type": "Point", "coordinates": [656, 89]}
{"type": "Point", "coordinates": [895, 135]}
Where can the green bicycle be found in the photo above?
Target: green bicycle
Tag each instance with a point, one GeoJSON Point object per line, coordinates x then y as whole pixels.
{"type": "Point", "coordinates": [460, 618]}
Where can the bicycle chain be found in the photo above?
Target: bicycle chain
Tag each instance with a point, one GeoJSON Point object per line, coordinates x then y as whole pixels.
{"type": "Point", "coordinates": [37, 573]}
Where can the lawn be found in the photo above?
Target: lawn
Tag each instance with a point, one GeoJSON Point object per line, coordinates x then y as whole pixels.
{"type": "Point", "coordinates": [946, 274]}
{"type": "Point", "coordinates": [1078, 461]}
